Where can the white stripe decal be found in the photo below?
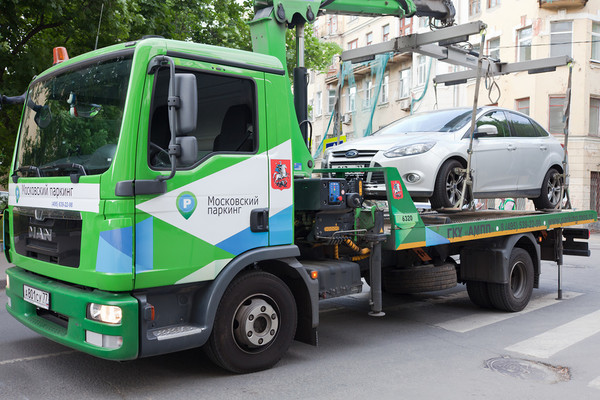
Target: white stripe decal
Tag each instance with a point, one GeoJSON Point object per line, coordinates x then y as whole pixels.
{"type": "Point", "coordinates": [551, 342]}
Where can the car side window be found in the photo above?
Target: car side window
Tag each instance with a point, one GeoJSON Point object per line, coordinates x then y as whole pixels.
{"type": "Point", "coordinates": [540, 131]}
{"type": "Point", "coordinates": [522, 126]}
{"type": "Point", "coordinates": [493, 124]}
{"type": "Point", "coordinates": [226, 117]}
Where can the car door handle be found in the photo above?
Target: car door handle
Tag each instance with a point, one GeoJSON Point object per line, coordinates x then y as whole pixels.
{"type": "Point", "coordinates": [511, 147]}
{"type": "Point", "coordinates": [543, 147]}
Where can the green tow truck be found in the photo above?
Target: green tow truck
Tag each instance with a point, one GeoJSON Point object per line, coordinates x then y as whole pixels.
{"type": "Point", "coordinates": [162, 197]}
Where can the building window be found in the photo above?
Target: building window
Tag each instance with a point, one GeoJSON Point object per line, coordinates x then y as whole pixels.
{"type": "Point", "coordinates": [556, 114]}
{"type": "Point", "coordinates": [494, 48]}
{"type": "Point", "coordinates": [353, 44]}
{"type": "Point", "coordinates": [561, 36]}
{"type": "Point", "coordinates": [493, 3]}
{"type": "Point", "coordinates": [423, 22]}
{"type": "Point", "coordinates": [522, 105]}
{"type": "Point", "coordinates": [385, 33]}
{"type": "Point", "coordinates": [406, 26]}
{"type": "Point", "coordinates": [369, 38]}
{"type": "Point", "coordinates": [474, 7]}
{"type": "Point", "coordinates": [331, 102]}
{"type": "Point", "coordinates": [596, 41]}
{"type": "Point", "coordinates": [385, 90]}
{"type": "Point", "coordinates": [368, 93]}
{"type": "Point", "coordinates": [524, 44]}
{"type": "Point", "coordinates": [594, 116]}
{"type": "Point", "coordinates": [352, 18]}
{"type": "Point", "coordinates": [421, 70]}
{"type": "Point", "coordinates": [595, 191]}
{"type": "Point", "coordinates": [351, 104]}
{"type": "Point", "coordinates": [332, 24]}
{"type": "Point", "coordinates": [404, 89]}
{"type": "Point", "coordinates": [318, 104]}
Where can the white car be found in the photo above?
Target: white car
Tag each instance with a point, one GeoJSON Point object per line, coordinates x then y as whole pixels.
{"type": "Point", "coordinates": [513, 156]}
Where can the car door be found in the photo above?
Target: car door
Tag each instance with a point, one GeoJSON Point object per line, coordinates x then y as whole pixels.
{"type": "Point", "coordinates": [493, 155]}
{"type": "Point", "coordinates": [202, 222]}
{"type": "Point", "coordinates": [530, 154]}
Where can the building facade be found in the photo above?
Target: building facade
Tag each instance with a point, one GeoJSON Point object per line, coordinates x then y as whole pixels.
{"type": "Point", "coordinates": [539, 29]}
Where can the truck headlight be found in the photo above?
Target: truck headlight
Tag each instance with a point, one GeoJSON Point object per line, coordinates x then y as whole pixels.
{"type": "Point", "coordinates": [104, 313]}
{"type": "Point", "coordinates": [410, 150]}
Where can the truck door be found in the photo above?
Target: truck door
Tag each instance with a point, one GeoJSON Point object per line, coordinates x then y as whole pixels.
{"type": "Point", "coordinates": [192, 231]}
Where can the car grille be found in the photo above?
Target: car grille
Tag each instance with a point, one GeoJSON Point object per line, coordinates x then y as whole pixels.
{"type": "Point", "coordinates": [48, 235]}
{"type": "Point", "coordinates": [361, 160]}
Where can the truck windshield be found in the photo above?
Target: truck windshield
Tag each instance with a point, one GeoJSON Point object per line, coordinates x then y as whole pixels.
{"type": "Point", "coordinates": [72, 120]}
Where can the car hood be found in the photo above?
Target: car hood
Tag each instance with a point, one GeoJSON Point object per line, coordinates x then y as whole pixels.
{"type": "Point", "coordinates": [384, 142]}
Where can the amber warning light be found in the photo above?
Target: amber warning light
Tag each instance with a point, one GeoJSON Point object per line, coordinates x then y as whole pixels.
{"type": "Point", "coordinates": [60, 55]}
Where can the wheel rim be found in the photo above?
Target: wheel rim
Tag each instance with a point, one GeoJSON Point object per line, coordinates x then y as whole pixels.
{"type": "Point", "coordinates": [518, 281]}
{"type": "Point", "coordinates": [453, 187]}
{"type": "Point", "coordinates": [553, 189]}
{"type": "Point", "coordinates": [255, 323]}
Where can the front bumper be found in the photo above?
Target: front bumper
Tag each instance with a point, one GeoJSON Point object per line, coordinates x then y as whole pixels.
{"type": "Point", "coordinates": [66, 321]}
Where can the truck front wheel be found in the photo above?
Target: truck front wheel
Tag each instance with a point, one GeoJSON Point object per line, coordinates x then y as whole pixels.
{"type": "Point", "coordinates": [255, 323]}
{"type": "Point", "coordinates": [515, 294]}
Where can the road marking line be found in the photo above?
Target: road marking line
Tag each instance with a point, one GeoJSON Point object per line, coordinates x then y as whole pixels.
{"type": "Point", "coordinates": [551, 342]}
{"type": "Point", "coordinates": [33, 358]}
{"type": "Point", "coordinates": [595, 383]}
{"type": "Point", "coordinates": [479, 320]}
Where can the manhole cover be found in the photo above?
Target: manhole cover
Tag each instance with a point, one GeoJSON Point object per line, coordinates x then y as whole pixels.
{"type": "Point", "coordinates": [528, 370]}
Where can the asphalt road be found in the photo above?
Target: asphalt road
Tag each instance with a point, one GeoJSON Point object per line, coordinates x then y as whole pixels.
{"type": "Point", "coordinates": [435, 345]}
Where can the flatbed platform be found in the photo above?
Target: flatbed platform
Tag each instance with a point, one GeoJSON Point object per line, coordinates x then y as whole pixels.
{"type": "Point", "coordinates": [435, 228]}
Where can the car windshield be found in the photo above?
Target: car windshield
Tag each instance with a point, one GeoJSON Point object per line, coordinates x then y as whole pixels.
{"type": "Point", "coordinates": [72, 120]}
{"type": "Point", "coordinates": [435, 121]}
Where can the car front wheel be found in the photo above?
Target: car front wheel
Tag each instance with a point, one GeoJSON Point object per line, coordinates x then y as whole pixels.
{"type": "Point", "coordinates": [550, 191]}
{"type": "Point", "coordinates": [448, 186]}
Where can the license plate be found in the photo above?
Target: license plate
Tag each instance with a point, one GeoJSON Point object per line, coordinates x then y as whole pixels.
{"type": "Point", "coordinates": [37, 297]}
{"type": "Point", "coordinates": [344, 166]}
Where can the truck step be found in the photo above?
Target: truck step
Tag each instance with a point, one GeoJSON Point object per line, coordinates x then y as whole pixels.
{"type": "Point", "coordinates": [175, 332]}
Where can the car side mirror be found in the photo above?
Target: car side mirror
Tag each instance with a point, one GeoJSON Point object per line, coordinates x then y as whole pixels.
{"type": "Point", "coordinates": [485, 131]}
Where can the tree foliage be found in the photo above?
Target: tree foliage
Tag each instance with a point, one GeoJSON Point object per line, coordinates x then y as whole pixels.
{"type": "Point", "coordinates": [29, 30]}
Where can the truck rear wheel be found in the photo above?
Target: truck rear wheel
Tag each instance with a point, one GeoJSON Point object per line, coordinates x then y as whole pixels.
{"type": "Point", "coordinates": [255, 323]}
{"type": "Point", "coordinates": [479, 294]}
{"type": "Point", "coordinates": [515, 294]}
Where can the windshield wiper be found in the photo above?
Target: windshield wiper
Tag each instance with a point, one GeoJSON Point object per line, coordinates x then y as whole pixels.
{"type": "Point", "coordinates": [69, 166]}
{"type": "Point", "coordinates": [25, 169]}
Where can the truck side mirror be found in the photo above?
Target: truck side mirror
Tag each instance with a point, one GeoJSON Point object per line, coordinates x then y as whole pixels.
{"type": "Point", "coordinates": [186, 111]}
{"type": "Point", "coordinates": [189, 150]}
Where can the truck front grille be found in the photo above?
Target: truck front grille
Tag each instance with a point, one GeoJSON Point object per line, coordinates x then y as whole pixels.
{"type": "Point", "coordinates": [48, 235]}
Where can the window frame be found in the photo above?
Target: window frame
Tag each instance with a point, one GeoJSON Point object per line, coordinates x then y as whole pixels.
{"type": "Point", "coordinates": [202, 159]}
{"type": "Point", "coordinates": [597, 123]}
{"type": "Point", "coordinates": [524, 47]}
{"type": "Point", "coordinates": [595, 39]}
{"type": "Point", "coordinates": [401, 84]}
{"type": "Point", "coordinates": [553, 46]}
{"type": "Point", "coordinates": [551, 109]}
{"type": "Point", "coordinates": [385, 33]}
{"type": "Point", "coordinates": [519, 108]}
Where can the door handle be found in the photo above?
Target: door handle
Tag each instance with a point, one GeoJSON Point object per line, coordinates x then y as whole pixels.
{"type": "Point", "coordinates": [543, 147]}
{"type": "Point", "coordinates": [259, 220]}
{"type": "Point", "coordinates": [511, 147]}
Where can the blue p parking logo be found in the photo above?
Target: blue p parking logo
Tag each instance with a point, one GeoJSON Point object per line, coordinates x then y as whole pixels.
{"type": "Point", "coordinates": [186, 204]}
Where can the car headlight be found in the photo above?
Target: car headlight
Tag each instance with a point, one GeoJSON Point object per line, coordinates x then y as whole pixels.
{"type": "Point", "coordinates": [104, 313]}
{"type": "Point", "coordinates": [410, 150]}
